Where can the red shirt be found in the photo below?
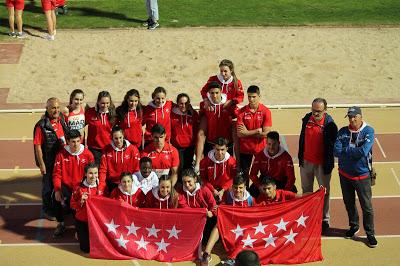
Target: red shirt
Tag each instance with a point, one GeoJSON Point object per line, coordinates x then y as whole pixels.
{"type": "Point", "coordinates": [314, 141]}
{"type": "Point", "coordinates": [228, 89]}
{"type": "Point", "coordinates": [253, 120]}
{"type": "Point", "coordinates": [136, 199]}
{"type": "Point", "coordinates": [132, 126]}
{"type": "Point", "coordinates": [281, 196]}
{"type": "Point", "coordinates": [56, 124]}
{"type": "Point", "coordinates": [114, 161]}
{"type": "Point", "coordinates": [217, 175]}
{"type": "Point", "coordinates": [69, 167]}
{"type": "Point", "coordinates": [99, 129]}
{"type": "Point", "coordinates": [81, 213]}
{"type": "Point", "coordinates": [164, 160]}
{"type": "Point", "coordinates": [219, 121]}
{"type": "Point", "coordinates": [201, 197]}
{"type": "Point", "coordinates": [157, 115]}
{"type": "Point", "coordinates": [183, 128]}
{"type": "Point", "coordinates": [278, 167]}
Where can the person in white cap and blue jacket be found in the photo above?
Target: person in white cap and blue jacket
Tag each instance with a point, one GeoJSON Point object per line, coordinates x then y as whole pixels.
{"type": "Point", "coordinates": [353, 147]}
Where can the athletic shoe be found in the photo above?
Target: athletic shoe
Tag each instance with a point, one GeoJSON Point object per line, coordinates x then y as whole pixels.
{"type": "Point", "coordinates": [21, 35]}
{"type": "Point", "coordinates": [147, 22]}
{"type": "Point", "coordinates": [205, 259]}
{"type": "Point", "coordinates": [60, 230]}
{"type": "Point", "coordinates": [371, 241]}
{"type": "Point", "coordinates": [12, 34]}
{"type": "Point", "coordinates": [49, 37]}
{"type": "Point", "coordinates": [325, 226]}
{"type": "Point", "coordinates": [352, 231]}
{"type": "Point", "coordinates": [229, 262]}
{"type": "Point", "coordinates": [153, 26]}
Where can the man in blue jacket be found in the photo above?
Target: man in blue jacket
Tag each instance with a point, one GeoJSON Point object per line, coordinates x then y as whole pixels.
{"type": "Point", "coordinates": [353, 147]}
{"type": "Point", "coordinates": [317, 137]}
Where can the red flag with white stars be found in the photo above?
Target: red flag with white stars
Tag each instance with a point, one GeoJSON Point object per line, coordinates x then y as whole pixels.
{"type": "Point", "coordinates": [120, 231]}
{"type": "Point", "coordinates": [281, 233]}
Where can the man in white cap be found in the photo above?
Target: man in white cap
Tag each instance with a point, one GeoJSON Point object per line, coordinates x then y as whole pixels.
{"type": "Point", "coordinates": [353, 147]}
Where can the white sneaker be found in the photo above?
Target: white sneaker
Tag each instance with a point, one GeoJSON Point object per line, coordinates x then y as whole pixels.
{"type": "Point", "coordinates": [49, 37]}
{"type": "Point", "coordinates": [12, 34]}
{"type": "Point", "coordinates": [21, 35]}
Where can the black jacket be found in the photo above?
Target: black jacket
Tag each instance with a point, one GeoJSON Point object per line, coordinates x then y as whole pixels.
{"type": "Point", "coordinates": [329, 136]}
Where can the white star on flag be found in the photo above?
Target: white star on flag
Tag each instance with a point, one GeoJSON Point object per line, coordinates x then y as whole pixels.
{"type": "Point", "coordinates": [173, 232]}
{"type": "Point", "coordinates": [270, 240]}
{"type": "Point", "coordinates": [281, 225]}
{"type": "Point", "coordinates": [111, 227]}
{"type": "Point", "coordinates": [162, 246]}
{"type": "Point", "coordinates": [260, 228]}
{"type": "Point", "coordinates": [132, 229]}
{"type": "Point", "coordinates": [238, 231]}
{"type": "Point", "coordinates": [248, 241]}
{"type": "Point", "coordinates": [142, 244]}
{"type": "Point", "coordinates": [121, 241]}
{"type": "Point", "coordinates": [301, 221]}
{"type": "Point", "coordinates": [290, 237]}
{"type": "Point", "coordinates": [152, 231]}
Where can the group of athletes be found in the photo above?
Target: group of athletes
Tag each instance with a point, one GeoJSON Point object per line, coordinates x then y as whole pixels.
{"type": "Point", "coordinates": [164, 154]}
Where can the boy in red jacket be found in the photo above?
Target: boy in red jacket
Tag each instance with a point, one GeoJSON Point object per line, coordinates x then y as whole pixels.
{"type": "Point", "coordinates": [273, 161]}
{"type": "Point", "coordinates": [119, 156]}
{"type": "Point", "coordinates": [269, 194]}
{"type": "Point", "coordinates": [88, 188]}
{"type": "Point", "coordinates": [67, 174]}
{"type": "Point", "coordinates": [218, 169]}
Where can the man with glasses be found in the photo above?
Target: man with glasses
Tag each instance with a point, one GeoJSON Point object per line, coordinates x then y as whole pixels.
{"type": "Point", "coordinates": [317, 137]}
{"type": "Point", "coordinates": [353, 147]}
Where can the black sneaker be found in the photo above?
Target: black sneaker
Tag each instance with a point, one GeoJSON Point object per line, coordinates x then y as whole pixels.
{"type": "Point", "coordinates": [352, 231]}
{"type": "Point", "coordinates": [371, 241]}
{"type": "Point", "coordinates": [49, 216]}
{"type": "Point", "coordinates": [325, 226]}
{"type": "Point", "coordinates": [147, 22]}
{"type": "Point", "coordinates": [153, 26]}
{"type": "Point", "coordinates": [60, 230]}
{"type": "Point", "coordinates": [205, 259]}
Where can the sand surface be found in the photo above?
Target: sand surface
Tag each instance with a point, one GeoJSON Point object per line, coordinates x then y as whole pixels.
{"type": "Point", "coordinates": [291, 65]}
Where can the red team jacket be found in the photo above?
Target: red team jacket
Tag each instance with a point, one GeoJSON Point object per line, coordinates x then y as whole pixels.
{"type": "Point", "coordinates": [153, 200]}
{"type": "Point", "coordinates": [281, 196]}
{"type": "Point", "coordinates": [201, 197]}
{"type": "Point", "coordinates": [228, 88]}
{"type": "Point", "coordinates": [162, 161]}
{"type": "Point", "coordinates": [114, 161]}
{"type": "Point", "coordinates": [279, 167]}
{"type": "Point", "coordinates": [69, 167]}
{"type": "Point", "coordinates": [183, 128]}
{"type": "Point", "coordinates": [99, 129]}
{"type": "Point", "coordinates": [219, 121]}
{"type": "Point", "coordinates": [217, 174]}
{"type": "Point", "coordinates": [259, 119]}
{"type": "Point", "coordinates": [157, 115]}
{"type": "Point", "coordinates": [135, 198]}
{"type": "Point", "coordinates": [132, 126]}
{"type": "Point", "coordinates": [76, 197]}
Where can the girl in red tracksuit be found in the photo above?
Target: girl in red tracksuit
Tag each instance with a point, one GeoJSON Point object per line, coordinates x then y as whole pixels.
{"type": "Point", "coordinates": [184, 124]}
{"type": "Point", "coordinates": [119, 156]}
{"type": "Point", "coordinates": [128, 191]}
{"type": "Point", "coordinates": [129, 117]}
{"type": "Point", "coordinates": [158, 111]}
{"type": "Point", "coordinates": [74, 113]}
{"type": "Point", "coordinates": [88, 188]}
{"type": "Point", "coordinates": [164, 196]}
{"type": "Point", "coordinates": [231, 86]}
{"type": "Point", "coordinates": [100, 120]}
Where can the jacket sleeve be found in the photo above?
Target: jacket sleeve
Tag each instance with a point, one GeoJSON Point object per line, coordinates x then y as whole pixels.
{"type": "Point", "coordinates": [182, 201]}
{"type": "Point", "coordinates": [203, 176]}
{"type": "Point", "coordinates": [57, 172]}
{"type": "Point", "coordinates": [76, 200]}
{"type": "Point", "coordinates": [231, 175]}
{"type": "Point", "coordinates": [290, 173]}
{"type": "Point", "coordinates": [103, 172]}
{"type": "Point", "coordinates": [239, 93]}
{"type": "Point", "coordinates": [365, 147]}
{"type": "Point", "coordinates": [338, 146]}
{"type": "Point", "coordinates": [254, 172]}
{"type": "Point", "coordinates": [204, 90]}
{"type": "Point", "coordinates": [209, 198]}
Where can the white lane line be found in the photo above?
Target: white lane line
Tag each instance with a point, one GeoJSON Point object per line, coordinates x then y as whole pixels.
{"type": "Point", "coordinates": [21, 169]}
{"type": "Point", "coordinates": [338, 237]}
{"type": "Point", "coordinates": [168, 264]}
{"type": "Point", "coordinates": [380, 147]}
{"type": "Point", "coordinates": [38, 244]}
{"type": "Point", "coordinates": [135, 262]}
{"type": "Point", "coordinates": [395, 176]}
{"type": "Point", "coordinates": [22, 139]}
{"type": "Point", "coordinates": [374, 197]}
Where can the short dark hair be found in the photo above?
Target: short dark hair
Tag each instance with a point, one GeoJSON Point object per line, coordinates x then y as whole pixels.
{"type": "Point", "coordinates": [123, 174]}
{"type": "Point", "coordinates": [247, 258]}
{"type": "Point", "coordinates": [253, 89]}
{"type": "Point", "coordinates": [73, 134]}
{"type": "Point", "coordinates": [220, 141]}
{"type": "Point", "coordinates": [238, 180]}
{"type": "Point", "coordinates": [266, 180]}
{"type": "Point", "coordinates": [91, 165]}
{"type": "Point", "coordinates": [157, 128]}
{"type": "Point", "coordinates": [274, 135]}
{"type": "Point", "coordinates": [116, 128]}
{"type": "Point", "coordinates": [213, 85]}
{"type": "Point", "coordinates": [145, 160]}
